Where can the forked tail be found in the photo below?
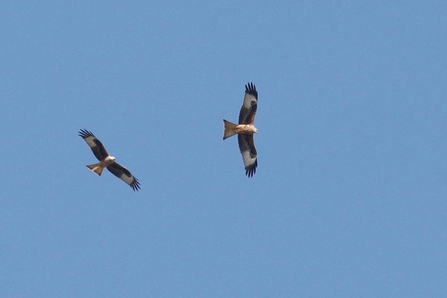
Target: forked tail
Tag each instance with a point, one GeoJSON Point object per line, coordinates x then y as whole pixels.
{"type": "Point", "coordinates": [97, 168]}
{"type": "Point", "coordinates": [229, 129]}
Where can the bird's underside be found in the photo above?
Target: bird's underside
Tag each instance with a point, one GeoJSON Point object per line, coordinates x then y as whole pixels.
{"type": "Point", "coordinates": [99, 167]}
{"type": "Point", "coordinates": [232, 129]}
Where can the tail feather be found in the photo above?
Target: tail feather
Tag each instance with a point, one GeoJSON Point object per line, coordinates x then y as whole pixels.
{"type": "Point", "coordinates": [97, 168]}
{"type": "Point", "coordinates": [229, 129]}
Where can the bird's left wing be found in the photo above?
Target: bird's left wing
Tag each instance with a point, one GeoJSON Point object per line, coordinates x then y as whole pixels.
{"type": "Point", "coordinates": [249, 154]}
{"type": "Point", "coordinates": [97, 147]}
{"type": "Point", "coordinates": [249, 106]}
{"type": "Point", "coordinates": [124, 174]}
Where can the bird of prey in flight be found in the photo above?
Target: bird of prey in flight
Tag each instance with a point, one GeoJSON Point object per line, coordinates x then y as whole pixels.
{"type": "Point", "coordinates": [245, 129]}
{"type": "Point", "coordinates": [107, 161]}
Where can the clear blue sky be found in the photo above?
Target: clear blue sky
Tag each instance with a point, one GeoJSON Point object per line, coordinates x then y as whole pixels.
{"type": "Point", "coordinates": [350, 196]}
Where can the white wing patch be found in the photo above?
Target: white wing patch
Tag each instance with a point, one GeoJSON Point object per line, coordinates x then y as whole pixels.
{"type": "Point", "coordinates": [248, 99]}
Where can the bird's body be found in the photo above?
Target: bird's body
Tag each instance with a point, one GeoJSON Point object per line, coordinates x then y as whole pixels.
{"type": "Point", "coordinates": [99, 167]}
{"type": "Point", "coordinates": [232, 129]}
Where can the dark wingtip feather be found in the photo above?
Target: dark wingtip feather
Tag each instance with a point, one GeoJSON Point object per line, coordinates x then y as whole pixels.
{"type": "Point", "coordinates": [251, 170]}
{"type": "Point", "coordinates": [135, 185]}
{"type": "Point", "coordinates": [250, 88]}
{"type": "Point", "coordinates": [83, 133]}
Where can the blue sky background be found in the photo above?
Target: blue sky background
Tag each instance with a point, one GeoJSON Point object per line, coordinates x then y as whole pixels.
{"type": "Point", "coordinates": [350, 196]}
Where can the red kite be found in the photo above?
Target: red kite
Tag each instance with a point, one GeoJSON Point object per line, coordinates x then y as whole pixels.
{"type": "Point", "coordinates": [107, 161]}
{"type": "Point", "coordinates": [245, 129]}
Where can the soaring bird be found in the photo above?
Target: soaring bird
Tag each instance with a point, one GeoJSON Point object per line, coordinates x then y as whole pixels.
{"type": "Point", "coordinates": [245, 129]}
{"type": "Point", "coordinates": [107, 161]}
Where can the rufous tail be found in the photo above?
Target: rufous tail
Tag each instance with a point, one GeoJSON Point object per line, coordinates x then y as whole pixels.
{"type": "Point", "coordinates": [229, 129]}
{"type": "Point", "coordinates": [97, 168]}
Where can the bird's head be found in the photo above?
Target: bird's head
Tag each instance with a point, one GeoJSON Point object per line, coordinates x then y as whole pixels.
{"type": "Point", "coordinates": [111, 158]}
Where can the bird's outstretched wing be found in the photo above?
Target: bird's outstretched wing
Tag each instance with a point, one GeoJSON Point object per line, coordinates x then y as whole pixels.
{"type": "Point", "coordinates": [124, 174]}
{"type": "Point", "coordinates": [97, 147]}
{"type": "Point", "coordinates": [249, 154]}
{"type": "Point", "coordinates": [249, 106]}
